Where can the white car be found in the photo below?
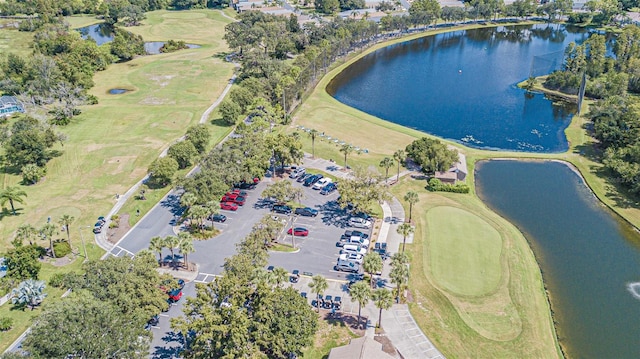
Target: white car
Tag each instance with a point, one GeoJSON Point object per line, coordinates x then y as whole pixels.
{"type": "Point", "coordinates": [299, 171]}
{"type": "Point", "coordinates": [358, 241]}
{"type": "Point", "coordinates": [351, 257]}
{"type": "Point", "coordinates": [352, 248]}
{"type": "Point", "coordinates": [359, 222]}
{"type": "Point", "coordinates": [321, 183]}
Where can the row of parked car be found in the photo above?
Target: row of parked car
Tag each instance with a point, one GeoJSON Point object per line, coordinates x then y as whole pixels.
{"type": "Point", "coordinates": [325, 185]}
{"type": "Point", "coordinates": [236, 197]}
{"type": "Point", "coordinates": [354, 245]}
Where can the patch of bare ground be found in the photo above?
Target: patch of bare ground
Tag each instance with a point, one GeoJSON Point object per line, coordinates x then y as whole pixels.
{"type": "Point", "coordinates": [115, 234]}
{"type": "Point", "coordinates": [387, 345]}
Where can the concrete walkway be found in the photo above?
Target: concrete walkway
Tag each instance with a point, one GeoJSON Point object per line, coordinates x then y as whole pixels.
{"type": "Point", "coordinates": [397, 322]}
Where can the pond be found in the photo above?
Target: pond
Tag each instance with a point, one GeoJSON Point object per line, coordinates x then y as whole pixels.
{"type": "Point", "coordinates": [103, 34]}
{"type": "Point", "coordinates": [590, 260]}
{"type": "Point", "coordinates": [118, 91]}
{"type": "Point", "coordinates": [461, 85]}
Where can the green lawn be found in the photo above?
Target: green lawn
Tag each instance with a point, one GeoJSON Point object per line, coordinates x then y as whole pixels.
{"type": "Point", "coordinates": [12, 40]}
{"type": "Point", "coordinates": [111, 144]}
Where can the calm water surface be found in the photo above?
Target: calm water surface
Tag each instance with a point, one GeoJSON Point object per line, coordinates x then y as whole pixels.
{"type": "Point", "coordinates": [462, 86]}
{"type": "Point", "coordinates": [102, 34]}
{"type": "Point", "coordinates": [588, 258]}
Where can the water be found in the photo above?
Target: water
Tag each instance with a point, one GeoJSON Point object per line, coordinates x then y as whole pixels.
{"type": "Point", "coordinates": [117, 91]}
{"type": "Point", "coordinates": [462, 86]}
{"type": "Point", "coordinates": [153, 47]}
{"type": "Point", "coordinates": [589, 259]}
{"type": "Point", "coordinates": [103, 34]}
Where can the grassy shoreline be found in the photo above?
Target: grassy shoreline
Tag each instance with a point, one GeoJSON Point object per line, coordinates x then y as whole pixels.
{"type": "Point", "coordinates": [323, 113]}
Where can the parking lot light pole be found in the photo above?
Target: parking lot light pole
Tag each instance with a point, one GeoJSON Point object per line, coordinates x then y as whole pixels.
{"type": "Point", "coordinates": [86, 257]}
{"type": "Point", "coordinates": [293, 231]}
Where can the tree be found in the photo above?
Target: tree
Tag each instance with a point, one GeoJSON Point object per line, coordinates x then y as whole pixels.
{"type": "Point", "coordinates": [318, 285]}
{"type": "Point", "coordinates": [399, 157]}
{"type": "Point", "coordinates": [383, 298]}
{"type": "Point", "coordinates": [65, 221]}
{"type": "Point", "coordinates": [386, 163]}
{"type": "Point", "coordinates": [362, 190]}
{"type": "Point", "coordinates": [432, 155]}
{"type": "Point", "coordinates": [32, 173]}
{"type": "Point", "coordinates": [172, 242]}
{"type": "Point", "coordinates": [287, 149]}
{"type": "Point", "coordinates": [346, 149]}
{"type": "Point", "coordinates": [12, 194]}
{"type": "Point", "coordinates": [425, 11]}
{"type": "Point", "coordinates": [26, 232]}
{"type": "Point", "coordinates": [157, 243]}
{"type": "Point", "coordinates": [281, 191]}
{"type": "Point", "coordinates": [230, 112]}
{"type": "Point", "coordinates": [313, 133]}
{"type": "Point", "coordinates": [29, 143]}
{"type": "Point", "coordinates": [280, 276]}
{"type": "Point", "coordinates": [399, 273]}
{"type": "Point", "coordinates": [163, 169]}
{"type": "Point", "coordinates": [29, 293]}
{"type": "Point", "coordinates": [361, 293]}
{"type": "Point", "coordinates": [404, 229]}
{"type": "Point", "coordinates": [412, 198]}
{"type": "Point", "coordinates": [188, 199]}
{"type": "Point", "coordinates": [183, 152]}
{"type": "Point", "coordinates": [199, 214]}
{"type": "Point", "coordinates": [22, 262]}
{"type": "Point", "coordinates": [81, 326]}
{"type": "Point", "coordinates": [371, 264]}
{"type": "Point", "coordinates": [47, 231]}
{"type": "Point", "coordinates": [186, 246]}
{"type": "Point", "coordinates": [199, 135]}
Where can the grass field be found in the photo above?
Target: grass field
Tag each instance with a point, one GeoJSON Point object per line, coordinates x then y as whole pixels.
{"type": "Point", "coordinates": [111, 144]}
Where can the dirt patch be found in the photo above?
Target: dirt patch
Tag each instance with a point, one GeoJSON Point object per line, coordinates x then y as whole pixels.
{"type": "Point", "coordinates": [115, 234]}
{"type": "Point", "coordinates": [387, 345]}
{"type": "Point", "coordinates": [60, 262]}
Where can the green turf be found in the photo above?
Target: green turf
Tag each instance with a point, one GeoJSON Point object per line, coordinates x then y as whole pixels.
{"type": "Point", "coordinates": [465, 251]}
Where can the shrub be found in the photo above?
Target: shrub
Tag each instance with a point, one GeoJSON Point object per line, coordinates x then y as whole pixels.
{"type": "Point", "coordinates": [171, 46]}
{"type": "Point", "coordinates": [57, 280]}
{"type": "Point", "coordinates": [32, 173]}
{"type": "Point", "coordinates": [5, 324]}
{"type": "Point", "coordinates": [62, 248]}
{"type": "Point", "coordinates": [435, 185]}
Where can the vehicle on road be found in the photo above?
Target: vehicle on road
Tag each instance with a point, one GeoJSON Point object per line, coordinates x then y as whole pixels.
{"type": "Point", "coordinates": [328, 189]}
{"type": "Point", "coordinates": [356, 258]}
{"type": "Point", "coordinates": [229, 206]}
{"type": "Point", "coordinates": [281, 208]}
{"type": "Point", "coordinates": [306, 212]}
{"type": "Point", "coordinates": [321, 183]}
{"type": "Point", "coordinates": [359, 222]}
{"type": "Point", "coordinates": [218, 217]}
{"type": "Point", "coordinates": [298, 231]}
{"type": "Point", "coordinates": [312, 180]}
{"type": "Point", "coordinates": [299, 171]}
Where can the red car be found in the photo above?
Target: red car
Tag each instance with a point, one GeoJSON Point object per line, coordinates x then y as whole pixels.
{"type": "Point", "coordinates": [229, 206]}
{"type": "Point", "coordinates": [238, 192]}
{"type": "Point", "coordinates": [239, 201]}
{"type": "Point", "coordinates": [299, 231]}
{"type": "Point", "coordinates": [230, 196]}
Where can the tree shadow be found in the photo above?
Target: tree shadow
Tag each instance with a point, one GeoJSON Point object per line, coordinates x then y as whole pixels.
{"type": "Point", "coordinates": [172, 202]}
{"type": "Point", "coordinates": [175, 345]}
{"type": "Point", "coordinates": [332, 214]}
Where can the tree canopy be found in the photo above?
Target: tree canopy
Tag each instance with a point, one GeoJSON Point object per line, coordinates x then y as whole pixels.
{"type": "Point", "coordinates": [432, 154]}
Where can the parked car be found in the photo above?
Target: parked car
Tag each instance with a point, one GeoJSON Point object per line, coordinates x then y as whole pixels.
{"type": "Point", "coordinates": [328, 189]}
{"type": "Point", "coordinates": [244, 185]}
{"type": "Point", "coordinates": [359, 222]}
{"type": "Point", "coordinates": [321, 183]}
{"type": "Point", "coordinates": [356, 258]}
{"type": "Point", "coordinates": [281, 208]}
{"type": "Point", "coordinates": [357, 240]}
{"type": "Point", "coordinates": [175, 294]}
{"type": "Point", "coordinates": [231, 195]}
{"type": "Point", "coordinates": [239, 192]}
{"type": "Point", "coordinates": [303, 177]}
{"type": "Point", "coordinates": [306, 212]}
{"type": "Point", "coordinates": [239, 200]}
{"type": "Point", "coordinates": [355, 233]}
{"type": "Point", "coordinates": [347, 267]}
{"type": "Point", "coordinates": [299, 171]}
{"type": "Point", "coordinates": [218, 217]}
{"type": "Point", "coordinates": [298, 231]}
{"type": "Point", "coordinates": [229, 206]}
{"type": "Point", "coordinates": [312, 180]}
{"type": "Point", "coordinates": [353, 248]}
{"type": "Point", "coordinates": [154, 321]}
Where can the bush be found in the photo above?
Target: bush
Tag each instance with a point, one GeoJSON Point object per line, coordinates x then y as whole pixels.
{"type": "Point", "coordinates": [5, 324]}
{"type": "Point", "coordinates": [32, 173]}
{"type": "Point", "coordinates": [171, 46]}
{"type": "Point", "coordinates": [57, 280]}
{"type": "Point", "coordinates": [435, 185]}
{"type": "Point", "coordinates": [62, 248]}
{"type": "Point", "coordinates": [579, 18]}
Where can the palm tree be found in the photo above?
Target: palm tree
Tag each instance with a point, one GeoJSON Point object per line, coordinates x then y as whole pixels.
{"type": "Point", "coordinates": [361, 293]}
{"type": "Point", "coordinates": [47, 231]}
{"type": "Point", "coordinates": [318, 285]}
{"type": "Point", "coordinates": [386, 163]}
{"type": "Point", "coordinates": [65, 221]}
{"type": "Point", "coordinates": [26, 232]}
{"type": "Point", "coordinates": [186, 246]}
{"type": "Point", "coordinates": [187, 200]}
{"type": "Point", "coordinates": [346, 149]}
{"type": "Point", "coordinates": [383, 298]}
{"type": "Point", "coordinates": [412, 198]}
{"type": "Point", "coordinates": [371, 264]}
{"type": "Point", "coordinates": [399, 258]}
{"type": "Point", "coordinates": [199, 214]}
{"type": "Point", "coordinates": [157, 243]}
{"type": "Point", "coordinates": [399, 276]}
{"type": "Point", "coordinates": [280, 275]}
{"type": "Point", "coordinates": [172, 242]}
{"type": "Point", "coordinates": [313, 134]}
{"type": "Point", "coordinates": [29, 293]}
{"type": "Point", "coordinates": [12, 194]}
{"type": "Point", "coordinates": [399, 156]}
{"type": "Point", "coordinates": [404, 230]}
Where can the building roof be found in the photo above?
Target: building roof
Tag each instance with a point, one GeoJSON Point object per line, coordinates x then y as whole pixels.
{"type": "Point", "coordinates": [8, 101]}
{"type": "Point", "coordinates": [9, 105]}
{"type": "Point", "coordinates": [360, 348]}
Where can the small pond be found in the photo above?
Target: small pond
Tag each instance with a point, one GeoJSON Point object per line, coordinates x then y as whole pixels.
{"type": "Point", "coordinates": [101, 33]}
{"type": "Point", "coordinates": [590, 259]}
{"type": "Point", "coordinates": [153, 47]}
{"type": "Point", "coordinates": [118, 91]}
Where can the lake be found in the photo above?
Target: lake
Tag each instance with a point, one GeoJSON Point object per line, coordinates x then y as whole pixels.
{"type": "Point", "coordinates": [461, 85]}
{"type": "Point", "coordinates": [590, 260]}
